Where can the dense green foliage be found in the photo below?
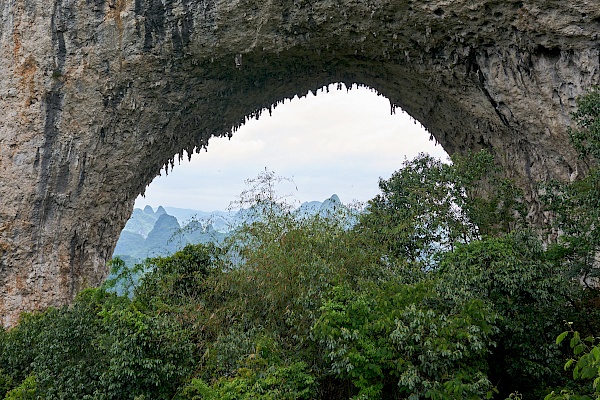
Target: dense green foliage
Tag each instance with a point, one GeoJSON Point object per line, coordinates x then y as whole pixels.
{"type": "Point", "coordinates": [438, 290]}
{"type": "Point", "coordinates": [577, 207]}
{"type": "Point", "coordinates": [429, 206]}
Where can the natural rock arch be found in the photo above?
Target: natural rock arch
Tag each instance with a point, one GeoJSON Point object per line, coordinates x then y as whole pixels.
{"type": "Point", "coordinates": [97, 95]}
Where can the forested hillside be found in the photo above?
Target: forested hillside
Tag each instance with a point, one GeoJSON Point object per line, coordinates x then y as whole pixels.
{"type": "Point", "coordinates": [431, 293]}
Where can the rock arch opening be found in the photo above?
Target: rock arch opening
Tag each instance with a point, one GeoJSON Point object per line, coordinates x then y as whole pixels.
{"type": "Point", "coordinates": [327, 140]}
{"type": "Point", "coordinates": [335, 142]}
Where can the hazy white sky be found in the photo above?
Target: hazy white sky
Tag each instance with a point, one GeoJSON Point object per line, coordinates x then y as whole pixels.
{"type": "Point", "coordinates": [333, 143]}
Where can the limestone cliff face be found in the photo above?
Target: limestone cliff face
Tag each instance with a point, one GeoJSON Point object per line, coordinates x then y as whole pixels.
{"type": "Point", "coordinates": [96, 95]}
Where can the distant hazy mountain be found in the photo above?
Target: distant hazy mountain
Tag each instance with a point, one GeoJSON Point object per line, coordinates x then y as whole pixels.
{"type": "Point", "coordinates": [150, 233]}
{"type": "Point", "coordinates": [165, 238]}
{"type": "Point", "coordinates": [141, 222]}
{"type": "Point", "coordinates": [130, 243]}
{"type": "Point", "coordinates": [221, 221]}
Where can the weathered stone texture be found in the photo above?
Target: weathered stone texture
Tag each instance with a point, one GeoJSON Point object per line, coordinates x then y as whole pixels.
{"type": "Point", "coordinates": [96, 95]}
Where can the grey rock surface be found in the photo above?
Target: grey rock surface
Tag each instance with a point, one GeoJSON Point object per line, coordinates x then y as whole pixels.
{"type": "Point", "coordinates": [97, 95]}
